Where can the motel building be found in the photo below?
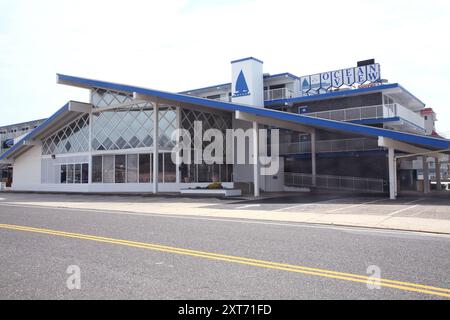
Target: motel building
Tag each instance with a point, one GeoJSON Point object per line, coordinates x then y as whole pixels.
{"type": "Point", "coordinates": [347, 129]}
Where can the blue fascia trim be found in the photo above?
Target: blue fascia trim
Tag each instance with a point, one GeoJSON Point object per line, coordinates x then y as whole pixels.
{"type": "Point", "coordinates": [280, 75]}
{"type": "Point", "coordinates": [34, 132]}
{"type": "Point", "coordinates": [245, 59]}
{"type": "Point", "coordinates": [206, 88]}
{"type": "Point", "coordinates": [325, 96]}
{"type": "Point", "coordinates": [292, 117]}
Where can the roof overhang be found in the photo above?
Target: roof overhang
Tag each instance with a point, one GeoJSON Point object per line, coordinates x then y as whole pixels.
{"type": "Point", "coordinates": [60, 118]}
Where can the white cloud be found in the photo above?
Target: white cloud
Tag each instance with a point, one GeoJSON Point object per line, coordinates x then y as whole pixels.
{"type": "Point", "coordinates": [177, 45]}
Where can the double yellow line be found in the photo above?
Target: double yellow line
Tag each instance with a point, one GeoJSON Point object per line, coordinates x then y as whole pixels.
{"type": "Point", "coordinates": [405, 286]}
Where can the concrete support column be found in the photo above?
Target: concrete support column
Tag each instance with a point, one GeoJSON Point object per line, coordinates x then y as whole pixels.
{"type": "Point", "coordinates": [438, 174]}
{"type": "Point", "coordinates": [155, 148]}
{"type": "Point", "coordinates": [313, 158]}
{"type": "Point", "coordinates": [90, 149]}
{"type": "Point", "coordinates": [426, 175]}
{"type": "Point", "coordinates": [392, 174]}
{"type": "Point", "coordinates": [256, 179]}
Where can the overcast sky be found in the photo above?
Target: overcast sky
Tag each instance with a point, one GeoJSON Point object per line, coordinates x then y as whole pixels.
{"type": "Point", "coordinates": [181, 44]}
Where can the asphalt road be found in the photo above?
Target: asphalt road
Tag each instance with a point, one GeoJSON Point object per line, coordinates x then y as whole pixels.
{"type": "Point", "coordinates": [33, 262]}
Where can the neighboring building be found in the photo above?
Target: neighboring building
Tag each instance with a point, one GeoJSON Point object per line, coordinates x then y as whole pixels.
{"type": "Point", "coordinates": [339, 129]}
{"type": "Point", "coordinates": [8, 135]}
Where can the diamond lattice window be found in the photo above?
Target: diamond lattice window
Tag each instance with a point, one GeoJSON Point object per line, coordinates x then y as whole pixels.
{"type": "Point", "coordinates": [72, 138]}
{"type": "Point", "coordinates": [167, 125]}
{"type": "Point", "coordinates": [126, 128]}
{"type": "Point", "coordinates": [209, 121]}
{"type": "Point", "coordinates": [101, 98]}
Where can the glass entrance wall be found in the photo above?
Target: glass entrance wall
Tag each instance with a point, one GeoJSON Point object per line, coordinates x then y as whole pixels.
{"type": "Point", "coordinates": [200, 173]}
{"type": "Point", "coordinates": [118, 138]}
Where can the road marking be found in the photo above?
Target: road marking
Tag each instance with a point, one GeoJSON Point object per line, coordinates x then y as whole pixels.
{"type": "Point", "coordinates": [405, 286]}
{"type": "Point", "coordinates": [356, 205]}
{"type": "Point", "coordinates": [307, 204]}
{"type": "Point", "coordinates": [294, 224]}
{"type": "Point", "coordinates": [249, 206]}
{"type": "Point", "coordinates": [405, 209]}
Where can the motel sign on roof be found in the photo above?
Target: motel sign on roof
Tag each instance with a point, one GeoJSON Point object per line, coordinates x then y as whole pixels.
{"type": "Point", "coordinates": [327, 81]}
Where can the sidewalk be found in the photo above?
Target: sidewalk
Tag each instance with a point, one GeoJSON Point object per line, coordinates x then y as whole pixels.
{"type": "Point", "coordinates": [359, 212]}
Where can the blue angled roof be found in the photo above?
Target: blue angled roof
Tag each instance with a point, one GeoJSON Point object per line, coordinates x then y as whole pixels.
{"type": "Point", "coordinates": [425, 141]}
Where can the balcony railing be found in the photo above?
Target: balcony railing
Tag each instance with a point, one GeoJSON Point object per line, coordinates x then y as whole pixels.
{"type": "Point", "coordinates": [335, 182]}
{"type": "Point", "coordinates": [343, 145]}
{"type": "Point", "coordinates": [275, 94]}
{"type": "Point", "coordinates": [372, 112]}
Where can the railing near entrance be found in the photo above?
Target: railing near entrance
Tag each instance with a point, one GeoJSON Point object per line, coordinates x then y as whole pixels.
{"type": "Point", "coordinates": [335, 182]}
{"type": "Point", "coordinates": [342, 145]}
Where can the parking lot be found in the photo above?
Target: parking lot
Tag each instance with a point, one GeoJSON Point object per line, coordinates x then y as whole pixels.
{"type": "Point", "coordinates": [432, 208]}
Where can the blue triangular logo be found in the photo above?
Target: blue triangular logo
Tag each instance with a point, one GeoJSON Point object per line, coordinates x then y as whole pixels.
{"type": "Point", "coordinates": [241, 86]}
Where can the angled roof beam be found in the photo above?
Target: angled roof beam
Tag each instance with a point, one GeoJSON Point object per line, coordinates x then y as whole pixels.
{"type": "Point", "coordinates": [80, 107]}
{"type": "Point", "coordinates": [405, 147]}
{"type": "Point", "coordinates": [273, 122]}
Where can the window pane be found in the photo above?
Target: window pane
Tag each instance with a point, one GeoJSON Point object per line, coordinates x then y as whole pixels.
{"type": "Point", "coordinates": [144, 168]}
{"type": "Point", "coordinates": [161, 167]}
{"type": "Point", "coordinates": [97, 169]}
{"type": "Point", "coordinates": [108, 169]}
{"type": "Point", "coordinates": [78, 173]}
{"type": "Point", "coordinates": [63, 173]}
{"type": "Point", "coordinates": [70, 173]}
{"type": "Point", "coordinates": [170, 174]}
{"type": "Point", "coordinates": [132, 160]}
{"type": "Point", "coordinates": [120, 168]}
{"type": "Point", "coordinates": [85, 173]}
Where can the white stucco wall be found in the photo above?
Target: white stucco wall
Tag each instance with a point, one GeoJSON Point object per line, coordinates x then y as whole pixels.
{"type": "Point", "coordinates": [27, 170]}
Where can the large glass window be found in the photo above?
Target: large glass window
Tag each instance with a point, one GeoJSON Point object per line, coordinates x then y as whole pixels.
{"type": "Point", "coordinates": [70, 171]}
{"type": "Point", "coordinates": [108, 169]}
{"type": "Point", "coordinates": [63, 173]}
{"type": "Point", "coordinates": [145, 165]}
{"type": "Point", "coordinates": [127, 128]}
{"type": "Point", "coordinates": [120, 169]}
{"type": "Point", "coordinates": [161, 167]}
{"type": "Point", "coordinates": [97, 169]}
{"type": "Point", "coordinates": [170, 169]}
{"type": "Point", "coordinates": [85, 173]}
{"type": "Point", "coordinates": [77, 168]}
{"type": "Point", "coordinates": [132, 166]}
{"type": "Point", "coordinates": [72, 138]}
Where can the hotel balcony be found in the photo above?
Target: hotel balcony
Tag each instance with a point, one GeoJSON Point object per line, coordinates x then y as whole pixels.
{"type": "Point", "coordinates": [395, 115]}
{"type": "Point", "coordinates": [276, 94]}
{"type": "Point", "coordinates": [326, 146]}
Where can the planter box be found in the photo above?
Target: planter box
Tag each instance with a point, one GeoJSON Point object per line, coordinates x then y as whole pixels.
{"type": "Point", "coordinates": [215, 192]}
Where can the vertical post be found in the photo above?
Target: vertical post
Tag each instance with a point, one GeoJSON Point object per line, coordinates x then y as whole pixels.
{"type": "Point", "coordinates": [155, 147]}
{"type": "Point", "coordinates": [438, 174]}
{"type": "Point", "coordinates": [426, 175]}
{"type": "Point", "coordinates": [392, 179]}
{"type": "Point", "coordinates": [178, 164]}
{"type": "Point", "coordinates": [90, 149]}
{"type": "Point", "coordinates": [313, 158]}
{"type": "Point", "coordinates": [256, 158]}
